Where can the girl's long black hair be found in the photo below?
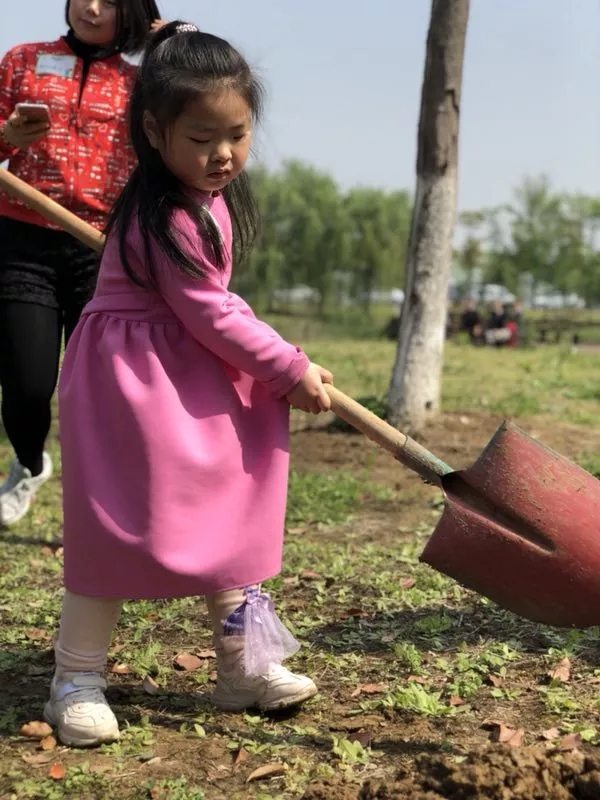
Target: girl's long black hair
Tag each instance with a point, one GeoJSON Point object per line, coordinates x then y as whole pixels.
{"type": "Point", "coordinates": [134, 18]}
{"type": "Point", "coordinates": [177, 67]}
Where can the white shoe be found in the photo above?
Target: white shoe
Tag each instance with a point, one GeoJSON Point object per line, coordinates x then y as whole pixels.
{"type": "Point", "coordinates": [79, 711]}
{"type": "Point", "coordinates": [19, 489]}
{"type": "Point", "coordinates": [235, 691]}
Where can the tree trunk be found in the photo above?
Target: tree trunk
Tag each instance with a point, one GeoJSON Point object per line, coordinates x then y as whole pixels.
{"type": "Point", "coordinates": [415, 387]}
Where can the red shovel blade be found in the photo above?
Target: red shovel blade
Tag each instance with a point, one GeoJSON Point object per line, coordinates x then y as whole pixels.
{"type": "Point", "coordinates": [521, 526]}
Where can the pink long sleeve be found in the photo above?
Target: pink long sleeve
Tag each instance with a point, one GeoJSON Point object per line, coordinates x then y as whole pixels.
{"type": "Point", "coordinates": [224, 323]}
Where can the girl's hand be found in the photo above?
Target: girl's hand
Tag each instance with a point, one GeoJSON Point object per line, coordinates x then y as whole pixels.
{"type": "Point", "coordinates": [18, 132]}
{"type": "Point", "coordinates": [309, 393]}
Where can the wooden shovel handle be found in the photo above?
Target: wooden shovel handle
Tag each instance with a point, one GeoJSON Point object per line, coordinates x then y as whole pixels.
{"type": "Point", "coordinates": [50, 210]}
{"type": "Point", "coordinates": [401, 446]}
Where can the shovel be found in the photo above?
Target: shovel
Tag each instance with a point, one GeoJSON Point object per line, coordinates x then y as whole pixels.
{"type": "Point", "coordinates": [519, 526]}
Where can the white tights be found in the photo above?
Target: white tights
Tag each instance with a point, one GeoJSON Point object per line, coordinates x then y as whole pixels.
{"type": "Point", "coordinates": [87, 624]}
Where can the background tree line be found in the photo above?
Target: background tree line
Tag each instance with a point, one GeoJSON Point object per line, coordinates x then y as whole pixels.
{"type": "Point", "coordinates": [346, 245]}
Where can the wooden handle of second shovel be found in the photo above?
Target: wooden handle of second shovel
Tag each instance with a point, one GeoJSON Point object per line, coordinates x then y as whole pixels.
{"type": "Point", "coordinates": [401, 446]}
{"type": "Point", "coordinates": [50, 210]}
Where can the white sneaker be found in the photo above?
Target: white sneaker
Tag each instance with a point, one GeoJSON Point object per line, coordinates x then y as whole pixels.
{"type": "Point", "coordinates": [17, 492]}
{"type": "Point", "coordinates": [235, 691]}
{"type": "Point", "coordinates": [79, 711]}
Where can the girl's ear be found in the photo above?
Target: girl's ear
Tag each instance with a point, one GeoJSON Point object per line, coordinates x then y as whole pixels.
{"type": "Point", "coordinates": [151, 130]}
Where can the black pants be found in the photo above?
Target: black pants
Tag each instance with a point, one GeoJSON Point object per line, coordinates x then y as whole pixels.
{"type": "Point", "coordinates": [46, 278]}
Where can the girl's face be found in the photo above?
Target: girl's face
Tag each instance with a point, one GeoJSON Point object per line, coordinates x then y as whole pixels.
{"type": "Point", "coordinates": [208, 144]}
{"type": "Point", "coordinates": [94, 21]}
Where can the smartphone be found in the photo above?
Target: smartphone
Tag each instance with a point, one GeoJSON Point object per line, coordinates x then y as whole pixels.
{"type": "Point", "coordinates": [34, 112]}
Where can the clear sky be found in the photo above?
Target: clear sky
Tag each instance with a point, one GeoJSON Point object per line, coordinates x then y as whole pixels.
{"type": "Point", "coordinates": [344, 80]}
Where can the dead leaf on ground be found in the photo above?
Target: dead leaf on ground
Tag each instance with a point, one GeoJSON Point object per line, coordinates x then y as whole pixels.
{"type": "Point", "coordinates": [36, 729]}
{"type": "Point", "coordinates": [455, 700]}
{"type": "Point", "coordinates": [208, 653]}
{"type": "Point", "coordinates": [297, 529]}
{"type": "Point", "coordinates": [355, 612]}
{"type": "Point", "coordinates": [550, 733]}
{"type": "Point", "coordinates": [369, 688]}
{"type": "Point", "coordinates": [150, 686]}
{"type": "Point", "coordinates": [57, 772]}
{"type": "Point", "coordinates": [570, 742]}
{"type": "Point", "coordinates": [495, 680]}
{"type": "Point", "coordinates": [266, 771]}
{"type": "Point", "coordinates": [240, 758]}
{"type": "Point", "coordinates": [416, 679]}
{"type": "Point", "coordinates": [48, 743]}
{"type": "Point", "coordinates": [37, 634]}
{"type": "Point", "coordinates": [504, 734]}
{"type": "Point", "coordinates": [187, 662]}
{"type": "Point", "coordinates": [120, 669]}
{"type": "Point", "coordinates": [561, 672]}
{"type": "Point", "coordinates": [37, 759]}
{"type": "Point", "coordinates": [309, 575]}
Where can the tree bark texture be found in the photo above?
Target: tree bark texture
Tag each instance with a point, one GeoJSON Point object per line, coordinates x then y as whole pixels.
{"type": "Point", "coordinates": [415, 387]}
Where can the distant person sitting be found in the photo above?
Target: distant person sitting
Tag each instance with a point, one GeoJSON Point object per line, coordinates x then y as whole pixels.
{"type": "Point", "coordinates": [516, 323]}
{"type": "Point", "coordinates": [497, 331]}
{"type": "Point", "coordinates": [470, 321]}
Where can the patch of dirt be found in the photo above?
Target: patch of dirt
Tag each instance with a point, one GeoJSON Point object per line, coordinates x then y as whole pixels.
{"type": "Point", "coordinates": [496, 774]}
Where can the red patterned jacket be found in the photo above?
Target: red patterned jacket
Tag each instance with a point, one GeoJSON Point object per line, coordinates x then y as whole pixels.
{"type": "Point", "coordinates": [85, 159]}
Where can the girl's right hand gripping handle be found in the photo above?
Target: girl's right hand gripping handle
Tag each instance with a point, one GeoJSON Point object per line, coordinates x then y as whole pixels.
{"type": "Point", "coordinates": [401, 446]}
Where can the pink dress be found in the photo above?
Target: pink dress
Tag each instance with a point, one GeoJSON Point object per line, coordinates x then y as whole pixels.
{"type": "Point", "coordinates": [174, 431]}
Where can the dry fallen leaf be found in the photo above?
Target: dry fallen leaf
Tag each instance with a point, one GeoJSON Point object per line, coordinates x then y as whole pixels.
{"type": "Point", "coordinates": [120, 669]}
{"type": "Point", "coordinates": [570, 742]}
{"type": "Point", "coordinates": [266, 771]}
{"type": "Point", "coordinates": [495, 680]}
{"type": "Point", "coordinates": [208, 653]}
{"type": "Point", "coordinates": [550, 733]}
{"type": "Point", "coordinates": [48, 743]}
{"type": "Point", "coordinates": [369, 688]}
{"type": "Point", "coordinates": [416, 679]}
{"type": "Point", "coordinates": [455, 700]}
{"type": "Point", "coordinates": [504, 734]}
{"type": "Point", "coordinates": [309, 575]}
{"type": "Point", "coordinates": [561, 672]}
{"type": "Point", "coordinates": [37, 759]}
{"type": "Point", "coordinates": [187, 662]}
{"type": "Point", "coordinates": [35, 729]}
{"type": "Point", "coordinates": [150, 686]}
{"type": "Point", "coordinates": [37, 634]}
{"type": "Point", "coordinates": [241, 756]}
{"type": "Point", "coordinates": [57, 772]}
{"type": "Point", "coordinates": [355, 612]}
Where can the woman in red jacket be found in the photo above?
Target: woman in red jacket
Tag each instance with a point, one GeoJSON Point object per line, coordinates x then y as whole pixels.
{"type": "Point", "coordinates": [69, 140]}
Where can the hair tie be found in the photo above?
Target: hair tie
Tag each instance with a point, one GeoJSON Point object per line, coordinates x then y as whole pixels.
{"type": "Point", "coordinates": [187, 28]}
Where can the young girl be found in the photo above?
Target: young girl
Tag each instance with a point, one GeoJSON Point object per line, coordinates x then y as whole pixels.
{"type": "Point", "coordinates": [174, 400]}
{"type": "Point", "coordinates": [71, 143]}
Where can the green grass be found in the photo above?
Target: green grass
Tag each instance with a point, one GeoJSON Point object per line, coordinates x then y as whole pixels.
{"type": "Point", "coordinates": [353, 591]}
